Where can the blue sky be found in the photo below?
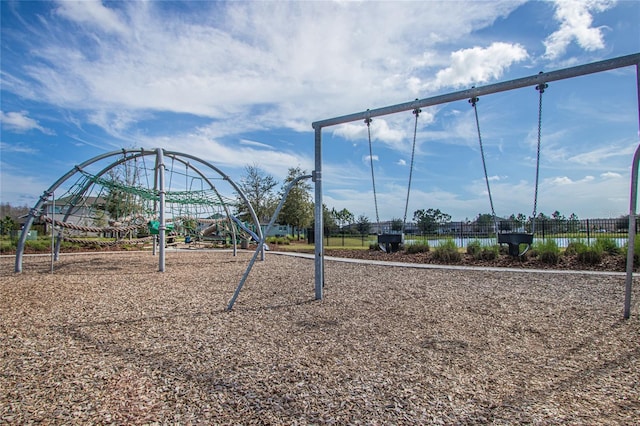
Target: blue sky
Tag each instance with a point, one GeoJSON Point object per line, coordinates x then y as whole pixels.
{"type": "Point", "coordinates": [240, 83]}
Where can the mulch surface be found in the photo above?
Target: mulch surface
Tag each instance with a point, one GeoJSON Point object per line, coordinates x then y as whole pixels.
{"type": "Point", "coordinates": [106, 339]}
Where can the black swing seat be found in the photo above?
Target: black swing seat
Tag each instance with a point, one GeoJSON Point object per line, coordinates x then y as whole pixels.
{"type": "Point", "coordinates": [514, 239]}
{"type": "Point", "coordinates": [390, 243]}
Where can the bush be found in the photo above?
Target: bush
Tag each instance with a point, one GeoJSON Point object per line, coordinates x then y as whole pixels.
{"type": "Point", "coordinates": [636, 250]}
{"type": "Point", "coordinates": [278, 240]}
{"type": "Point", "coordinates": [41, 244]}
{"type": "Point", "coordinates": [474, 247]}
{"type": "Point", "coordinates": [607, 245]}
{"type": "Point", "coordinates": [548, 252]}
{"type": "Point", "coordinates": [447, 252]}
{"type": "Point", "coordinates": [575, 247]}
{"type": "Point", "coordinates": [417, 248]}
{"type": "Point", "coordinates": [591, 255]}
{"type": "Point", "coordinates": [488, 253]}
{"type": "Point", "coordinates": [480, 252]}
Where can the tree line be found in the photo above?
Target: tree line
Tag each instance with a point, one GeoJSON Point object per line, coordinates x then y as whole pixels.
{"type": "Point", "coordinates": [261, 191]}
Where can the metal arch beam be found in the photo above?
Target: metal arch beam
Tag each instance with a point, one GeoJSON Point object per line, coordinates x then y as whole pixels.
{"type": "Point", "coordinates": [213, 187]}
{"type": "Point", "coordinates": [128, 155]}
{"type": "Point", "coordinates": [226, 177]}
{"type": "Point", "coordinates": [45, 196]}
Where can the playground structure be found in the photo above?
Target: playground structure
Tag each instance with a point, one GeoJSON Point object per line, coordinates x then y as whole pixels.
{"type": "Point", "coordinates": [92, 189]}
{"type": "Point", "coordinates": [538, 81]}
{"type": "Point", "coordinates": [138, 196]}
{"type": "Point", "coordinates": [119, 194]}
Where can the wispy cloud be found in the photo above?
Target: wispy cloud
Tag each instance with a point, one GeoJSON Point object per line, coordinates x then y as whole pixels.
{"type": "Point", "coordinates": [576, 19]}
{"type": "Point", "coordinates": [19, 148]}
{"type": "Point", "coordinates": [255, 144]}
{"type": "Point", "coordinates": [20, 122]}
{"type": "Point", "coordinates": [92, 13]}
{"type": "Point", "coordinates": [213, 64]}
{"type": "Point", "coordinates": [602, 153]}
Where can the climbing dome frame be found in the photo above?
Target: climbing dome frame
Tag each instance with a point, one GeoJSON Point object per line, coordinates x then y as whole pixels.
{"type": "Point", "coordinates": [139, 195]}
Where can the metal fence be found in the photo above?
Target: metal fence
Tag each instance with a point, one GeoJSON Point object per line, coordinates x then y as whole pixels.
{"type": "Point", "coordinates": [562, 231]}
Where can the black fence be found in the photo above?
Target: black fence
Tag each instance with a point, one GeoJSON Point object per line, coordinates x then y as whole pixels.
{"type": "Point", "coordinates": [563, 231]}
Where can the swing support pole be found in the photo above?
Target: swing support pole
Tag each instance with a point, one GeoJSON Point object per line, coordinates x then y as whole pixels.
{"type": "Point", "coordinates": [633, 205]}
{"type": "Point", "coordinates": [534, 80]}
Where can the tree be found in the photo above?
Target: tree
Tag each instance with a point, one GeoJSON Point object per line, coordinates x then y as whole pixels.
{"type": "Point", "coordinates": [396, 224]}
{"type": "Point", "coordinates": [517, 222]}
{"type": "Point", "coordinates": [343, 217]}
{"type": "Point", "coordinates": [558, 221]}
{"type": "Point", "coordinates": [328, 219]}
{"type": "Point", "coordinates": [573, 225]}
{"type": "Point", "coordinates": [13, 212]}
{"type": "Point", "coordinates": [484, 223]}
{"type": "Point", "coordinates": [429, 220]}
{"type": "Point", "coordinates": [7, 225]}
{"type": "Point", "coordinates": [363, 225]}
{"type": "Point", "coordinates": [297, 210]}
{"type": "Point", "coordinates": [543, 223]}
{"type": "Point", "coordinates": [257, 186]}
{"type": "Point", "coordinates": [120, 201]}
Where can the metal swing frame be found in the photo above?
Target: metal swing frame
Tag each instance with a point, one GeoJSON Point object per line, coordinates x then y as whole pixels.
{"type": "Point", "coordinates": [544, 77]}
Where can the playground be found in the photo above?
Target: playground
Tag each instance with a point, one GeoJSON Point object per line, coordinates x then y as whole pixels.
{"type": "Point", "coordinates": [106, 338]}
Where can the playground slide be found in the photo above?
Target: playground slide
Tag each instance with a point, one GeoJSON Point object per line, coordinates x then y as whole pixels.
{"type": "Point", "coordinates": [248, 231]}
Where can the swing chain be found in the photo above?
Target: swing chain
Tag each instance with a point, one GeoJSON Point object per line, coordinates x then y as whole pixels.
{"type": "Point", "coordinates": [416, 112]}
{"type": "Point", "coordinates": [473, 101]}
{"type": "Point", "coordinates": [540, 88]}
{"type": "Point", "coordinates": [368, 121]}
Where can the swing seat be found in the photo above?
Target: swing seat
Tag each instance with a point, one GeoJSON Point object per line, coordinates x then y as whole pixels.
{"type": "Point", "coordinates": [514, 239]}
{"type": "Point", "coordinates": [390, 243]}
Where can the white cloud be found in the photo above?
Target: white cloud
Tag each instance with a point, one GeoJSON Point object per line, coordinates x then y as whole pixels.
{"type": "Point", "coordinates": [401, 162]}
{"type": "Point", "coordinates": [478, 65]}
{"type": "Point", "coordinates": [20, 122]}
{"type": "Point", "coordinates": [599, 155]}
{"type": "Point", "coordinates": [575, 17]}
{"type": "Point", "coordinates": [611, 175]}
{"type": "Point", "coordinates": [116, 122]}
{"type": "Point", "coordinates": [270, 61]}
{"type": "Point", "coordinates": [232, 156]}
{"type": "Point", "coordinates": [561, 180]}
{"type": "Point", "coordinates": [392, 136]}
{"type": "Point", "coordinates": [247, 142]}
{"type": "Point", "coordinates": [92, 13]}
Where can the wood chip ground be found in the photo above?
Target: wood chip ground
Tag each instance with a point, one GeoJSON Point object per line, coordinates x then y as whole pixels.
{"type": "Point", "coordinates": [106, 339]}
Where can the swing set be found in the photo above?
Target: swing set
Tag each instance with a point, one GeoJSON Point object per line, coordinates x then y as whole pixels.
{"type": "Point", "coordinates": [390, 242]}
{"type": "Point", "coordinates": [513, 239]}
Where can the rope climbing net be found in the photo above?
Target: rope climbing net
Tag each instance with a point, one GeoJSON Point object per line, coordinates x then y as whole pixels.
{"type": "Point", "coordinates": [121, 201]}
